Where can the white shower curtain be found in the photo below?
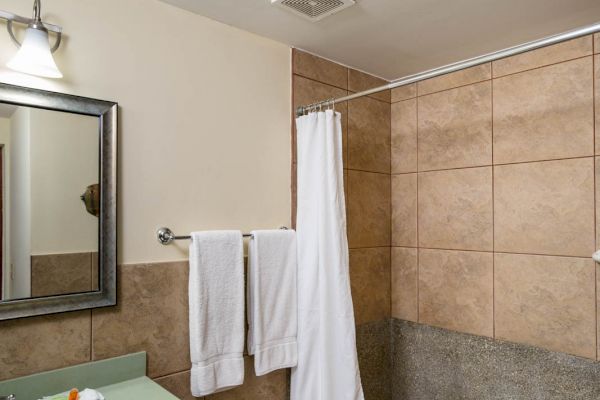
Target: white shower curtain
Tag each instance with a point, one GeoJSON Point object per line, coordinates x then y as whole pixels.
{"type": "Point", "coordinates": [327, 360]}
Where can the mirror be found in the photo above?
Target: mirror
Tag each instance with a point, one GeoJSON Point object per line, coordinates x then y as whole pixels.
{"type": "Point", "coordinates": [49, 163]}
{"type": "Point", "coordinates": [57, 202]}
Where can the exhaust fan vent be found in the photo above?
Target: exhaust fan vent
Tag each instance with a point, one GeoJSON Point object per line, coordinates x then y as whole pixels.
{"type": "Point", "coordinates": [314, 10]}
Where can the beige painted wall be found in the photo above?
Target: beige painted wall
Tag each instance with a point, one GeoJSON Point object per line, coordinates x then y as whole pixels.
{"type": "Point", "coordinates": [205, 115]}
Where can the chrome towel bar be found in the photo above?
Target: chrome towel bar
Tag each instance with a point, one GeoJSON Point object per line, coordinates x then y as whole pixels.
{"type": "Point", "coordinates": [166, 236]}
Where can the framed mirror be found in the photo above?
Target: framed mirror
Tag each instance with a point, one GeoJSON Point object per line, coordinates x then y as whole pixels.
{"type": "Point", "coordinates": [58, 186]}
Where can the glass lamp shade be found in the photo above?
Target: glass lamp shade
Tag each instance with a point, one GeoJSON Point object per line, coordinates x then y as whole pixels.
{"type": "Point", "coordinates": [34, 57]}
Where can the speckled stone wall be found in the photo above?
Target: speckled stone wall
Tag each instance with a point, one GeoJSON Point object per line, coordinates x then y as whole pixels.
{"type": "Point", "coordinates": [437, 364]}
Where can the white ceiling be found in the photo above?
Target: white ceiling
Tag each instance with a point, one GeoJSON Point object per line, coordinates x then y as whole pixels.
{"type": "Point", "coordinates": [395, 38]}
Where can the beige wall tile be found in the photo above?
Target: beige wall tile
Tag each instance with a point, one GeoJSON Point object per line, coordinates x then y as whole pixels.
{"type": "Point", "coordinates": [404, 283]}
{"type": "Point", "coordinates": [455, 128]}
{"type": "Point", "coordinates": [463, 77]}
{"type": "Point", "coordinates": [359, 81]}
{"type": "Point", "coordinates": [456, 290]}
{"type": "Point", "coordinates": [404, 136]}
{"type": "Point", "coordinates": [369, 214]}
{"type": "Point", "coordinates": [545, 207]}
{"type": "Point", "coordinates": [272, 386]}
{"type": "Point", "coordinates": [370, 282]}
{"type": "Point", "coordinates": [319, 69]}
{"type": "Point", "coordinates": [544, 114]}
{"type": "Point", "coordinates": [404, 92]}
{"type": "Point", "coordinates": [53, 274]}
{"type": "Point", "coordinates": [178, 384]}
{"type": "Point", "coordinates": [156, 290]}
{"type": "Point", "coordinates": [547, 302]}
{"type": "Point", "coordinates": [597, 43]}
{"type": "Point", "coordinates": [306, 92]}
{"type": "Point", "coordinates": [37, 344]}
{"type": "Point", "coordinates": [369, 135]}
{"type": "Point", "coordinates": [597, 100]}
{"type": "Point", "coordinates": [547, 55]}
{"type": "Point", "coordinates": [404, 210]}
{"type": "Point", "coordinates": [455, 209]}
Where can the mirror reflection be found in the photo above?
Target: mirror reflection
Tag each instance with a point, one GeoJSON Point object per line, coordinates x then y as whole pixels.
{"type": "Point", "coordinates": [49, 168]}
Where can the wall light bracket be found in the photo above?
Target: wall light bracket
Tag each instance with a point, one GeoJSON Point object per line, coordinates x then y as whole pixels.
{"type": "Point", "coordinates": [35, 54]}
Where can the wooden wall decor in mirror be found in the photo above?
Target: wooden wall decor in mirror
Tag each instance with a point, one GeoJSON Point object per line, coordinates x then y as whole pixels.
{"type": "Point", "coordinates": [58, 217]}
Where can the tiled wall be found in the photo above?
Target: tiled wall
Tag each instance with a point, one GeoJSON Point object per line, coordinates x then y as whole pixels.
{"type": "Point", "coordinates": [366, 138]}
{"type": "Point", "coordinates": [494, 199]}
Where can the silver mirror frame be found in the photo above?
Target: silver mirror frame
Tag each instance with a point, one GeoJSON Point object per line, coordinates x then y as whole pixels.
{"type": "Point", "coordinates": [107, 113]}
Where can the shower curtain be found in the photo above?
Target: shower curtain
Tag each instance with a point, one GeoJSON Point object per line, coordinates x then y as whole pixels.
{"type": "Point", "coordinates": [327, 360]}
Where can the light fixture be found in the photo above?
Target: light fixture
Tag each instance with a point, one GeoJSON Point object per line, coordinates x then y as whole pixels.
{"type": "Point", "coordinates": [35, 54]}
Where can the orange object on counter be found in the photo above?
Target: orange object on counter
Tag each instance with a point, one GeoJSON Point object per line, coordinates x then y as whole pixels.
{"type": "Point", "coordinates": [73, 394]}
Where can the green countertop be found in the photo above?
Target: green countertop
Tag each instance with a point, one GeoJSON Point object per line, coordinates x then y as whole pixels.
{"type": "Point", "coordinates": [116, 378]}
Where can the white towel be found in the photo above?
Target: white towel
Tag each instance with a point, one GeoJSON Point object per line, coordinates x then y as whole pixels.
{"type": "Point", "coordinates": [216, 294]}
{"type": "Point", "coordinates": [272, 307]}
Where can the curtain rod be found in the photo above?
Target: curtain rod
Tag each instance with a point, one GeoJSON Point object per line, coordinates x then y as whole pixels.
{"type": "Point", "coordinates": [457, 66]}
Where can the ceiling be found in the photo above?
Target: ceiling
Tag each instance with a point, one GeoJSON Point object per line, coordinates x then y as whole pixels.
{"type": "Point", "coordinates": [395, 38]}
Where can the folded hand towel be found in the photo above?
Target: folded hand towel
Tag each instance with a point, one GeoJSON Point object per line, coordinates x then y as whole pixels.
{"type": "Point", "coordinates": [272, 308]}
{"type": "Point", "coordinates": [216, 295]}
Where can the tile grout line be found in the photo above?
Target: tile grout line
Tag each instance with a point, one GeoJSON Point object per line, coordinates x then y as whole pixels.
{"type": "Point", "coordinates": [170, 374]}
{"type": "Point", "coordinates": [475, 82]}
{"type": "Point", "coordinates": [594, 88]}
{"type": "Point", "coordinates": [317, 81]}
{"type": "Point", "coordinates": [492, 165]}
{"type": "Point", "coordinates": [417, 175]}
{"type": "Point", "coordinates": [369, 172]}
{"type": "Point", "coordinates": [391, 286]}
{"type": "Point", "coordinates": [543, 66]}
{"type": "Point", "coordinates": [371, 96]}
{"type": "Point", "coordinates": [493, 215]}
{"type": "Point", "coordinates": [492, 77]}
{"type": "Point", "coordinates": [483, 251]}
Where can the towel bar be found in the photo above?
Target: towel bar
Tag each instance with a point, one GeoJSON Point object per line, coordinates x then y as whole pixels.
{"type": "Point", "coordinates": [166, 236]}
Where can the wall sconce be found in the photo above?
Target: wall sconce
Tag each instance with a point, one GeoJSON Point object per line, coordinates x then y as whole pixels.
{"type": "Point", "coordinates": [35, 55]}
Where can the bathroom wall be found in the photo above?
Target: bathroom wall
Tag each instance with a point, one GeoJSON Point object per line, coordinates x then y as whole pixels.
{"type": "Point", "coordinates": [494, 221]}
{"type": "Point", "coordinates": [366, 140]}
{"type": "Point", "coordinates": [184, 162]}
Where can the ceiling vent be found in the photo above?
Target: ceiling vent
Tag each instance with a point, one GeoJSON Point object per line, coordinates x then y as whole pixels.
{"type": "Point", "coordinates": [314, 10]}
